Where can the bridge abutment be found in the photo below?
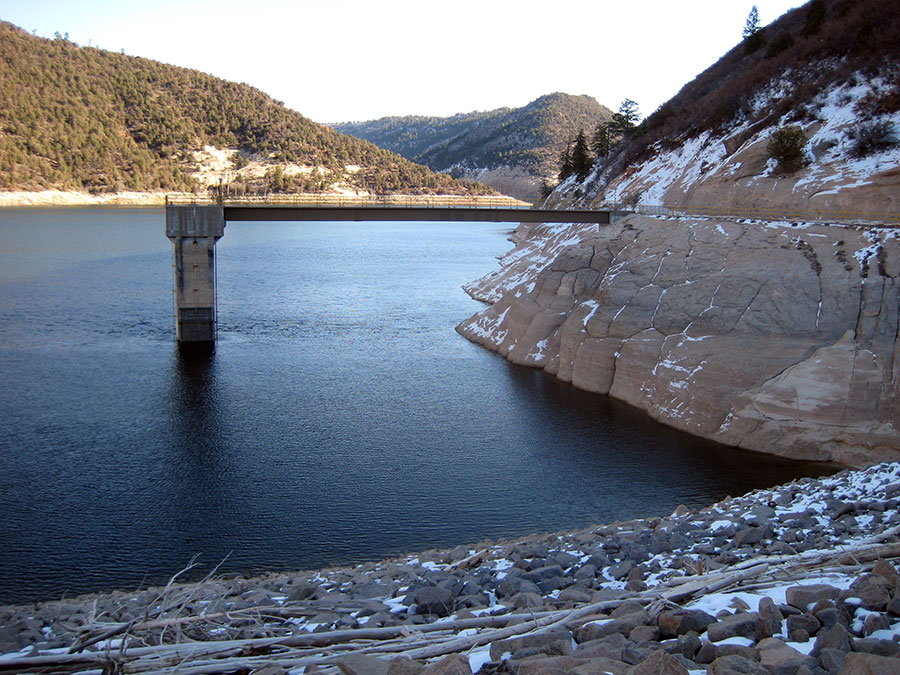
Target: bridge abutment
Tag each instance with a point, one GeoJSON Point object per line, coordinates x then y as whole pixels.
{"type": "Point", "coordinates": [194, 231]}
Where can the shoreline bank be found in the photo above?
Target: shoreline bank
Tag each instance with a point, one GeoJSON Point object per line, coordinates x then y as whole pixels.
{"type": "Point", "coordinates": [54, 198]}
{"type": "Point", "coordinates": [631, 590]}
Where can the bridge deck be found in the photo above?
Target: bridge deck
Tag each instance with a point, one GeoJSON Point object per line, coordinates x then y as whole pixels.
{"type": "Point", "coordinates": [448, 208]}
{"type": "Point", "coordinates": [413, 213]}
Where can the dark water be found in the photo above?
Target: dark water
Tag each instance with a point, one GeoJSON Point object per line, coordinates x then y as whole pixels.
{"type": "Point", "coordinates": [340, 419]}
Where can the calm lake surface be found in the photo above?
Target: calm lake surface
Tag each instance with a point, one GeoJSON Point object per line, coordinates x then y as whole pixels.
{"type": "Point", "coordinates": [340, 419]}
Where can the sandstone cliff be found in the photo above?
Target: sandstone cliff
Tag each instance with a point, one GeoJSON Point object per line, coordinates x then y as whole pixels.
{"type": "Point", "coordinates": [769, 336]}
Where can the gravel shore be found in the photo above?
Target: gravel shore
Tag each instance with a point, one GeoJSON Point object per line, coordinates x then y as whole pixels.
{"type": "Point", "coordinates": [799, 578]}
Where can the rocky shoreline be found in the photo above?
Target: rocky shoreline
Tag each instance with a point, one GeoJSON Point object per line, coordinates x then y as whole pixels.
{"type": "Point", "coordinates": [49, 198]}
{"type": "Point", "coordinates": [799, 578]}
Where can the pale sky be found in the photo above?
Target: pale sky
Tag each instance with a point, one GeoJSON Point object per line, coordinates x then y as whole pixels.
{"type": "Point", "coordinates": [343, 60]}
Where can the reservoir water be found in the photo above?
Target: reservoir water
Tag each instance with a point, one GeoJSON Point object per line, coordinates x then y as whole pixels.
{"type": "Point", "coordinates": [340, 419]}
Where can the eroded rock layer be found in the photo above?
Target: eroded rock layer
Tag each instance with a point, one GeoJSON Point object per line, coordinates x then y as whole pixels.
{"type": "Point", "coordinates": [770, 336]}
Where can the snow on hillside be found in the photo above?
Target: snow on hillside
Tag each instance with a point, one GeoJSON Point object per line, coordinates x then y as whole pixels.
{"type": "Point", "coordinates": [733, 169]}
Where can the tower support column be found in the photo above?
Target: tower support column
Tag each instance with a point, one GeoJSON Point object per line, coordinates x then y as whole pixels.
{"type": "Point", "coordinates": [194, 231]}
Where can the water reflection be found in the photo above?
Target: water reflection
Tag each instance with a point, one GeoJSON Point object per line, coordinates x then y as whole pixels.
{"type": "Point", "coordinates": [199, 472]}
{"type": "Point", "coordinates": [619, 442]}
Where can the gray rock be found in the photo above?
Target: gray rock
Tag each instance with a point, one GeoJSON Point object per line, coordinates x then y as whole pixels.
{"type": "Point", "coordinates": [452, 664]}
{"type": "Point", "coordinates": [804, 621]}
{"type": "Point", "coordinates": [832, 659]}
{"type": "Point", "coordinates": [659, 663]}
{"type": "Point", "coordinates": [621, 570]}
{"type": "Point", "coordinates": [610, 647]}
{"type": "Point", "coordinates": [575, 595]}
{"type": "Point", "coordinates": [515, 585]}
{"type": "Point", "coordinates": [547, 586]}
{"type": "Point", "coordinates": [679, 622]}
{"type": "Point", "coordinates": [736, 665]}
{"type": "Point", "coordinates": [859, 663]}
{"type": "Point", "coordinates": [624, 625]}
{"type": "Point", "coordinates": [735, 625]}
{"type": "Point", "coordinates": [527, 601]}
{"type": "Point", "coordinates": [873, 591]}
{"type": "Point", "coordinates": [557, 642]}
{"type": "Point", "coordinates": [776, 654]}
{"type": "Point", "coordinates": [829, 616]}
{"type": "Point", "coordinates": [434, 600]}
{"type": "Point", "coordinates": [806, 596]}
{"type": "Point", "coordinates": [876, 646]}
{"type": "Point", "coordinates": [544, 573]}
{"type": "Point", "coordinates": [751, 535]}
{"type": "Point", "coordinates": [770, 613]}
{"type": "Point", "coordinates": [403, 665]}
{"type": "Point", "coordinates": [362, 664]}
{"type": "Point", "coordinates": [835, 637]}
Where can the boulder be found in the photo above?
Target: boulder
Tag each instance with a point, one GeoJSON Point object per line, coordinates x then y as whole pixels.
{"type": "Point", "coordinates": [452, 664]}
{"type": "Point", "coordinates": [362, 664]}
{"type": "Point", "coordinates": [743, 624]}
{"type": "Point", "coordinates": [434, 600]}
{"type": "Point", "coordinates": [610, 647]}
{"type": "Point", "coordinates": [835, 637]}
{"type": "Point", "coordinates": [775, 654]}
{"type": "Point", "coordinates": [557, 665]}
{"type": "Point", "coordinates": [660, 663]}
{"type": "Point", "coordinates": [557, 642]}
{"type": "Point", "coordinates": [872, 590]}
{"type": "Point", "coordinates": [804, 597]}
{"type": "Point", "coordinates": [594, 630]}
{"type": "Point", "coordinates": [736, 665]}
{"type": "Point", "coordinates": [678, 622]}
{"type": "Point", "coordinates": [858, 663]}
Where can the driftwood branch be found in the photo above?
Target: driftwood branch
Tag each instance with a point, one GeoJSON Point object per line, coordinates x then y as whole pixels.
{"type": "Point", "coordinates": [426, 641]}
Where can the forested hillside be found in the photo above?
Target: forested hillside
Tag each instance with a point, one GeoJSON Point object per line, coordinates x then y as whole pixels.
{"type": "Point", "coordinates": [508, 141]}
{"type": "Point", "coordinates": [81, 118]}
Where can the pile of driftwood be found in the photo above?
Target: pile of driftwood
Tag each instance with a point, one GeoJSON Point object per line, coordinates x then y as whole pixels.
{"type": "Point", "coordinates": [172, 642]}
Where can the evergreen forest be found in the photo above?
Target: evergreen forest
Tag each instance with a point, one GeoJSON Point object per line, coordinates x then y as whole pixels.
{"type": "Point", "coordinates": [86, 119]}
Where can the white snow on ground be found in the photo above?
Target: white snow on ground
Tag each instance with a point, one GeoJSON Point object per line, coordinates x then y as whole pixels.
{"type": "Point", "coordinates": [832, 167]}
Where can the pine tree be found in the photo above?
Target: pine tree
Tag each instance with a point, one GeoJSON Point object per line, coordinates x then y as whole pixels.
{"type": "Point", "coordinates": [751, 28]}
{"type": "Point", "coordinates": [600, 142]}
{"type": "Point", "coordinates": [582, 162]}
{"type": "Point", "coordinates": [566, 168]}
{"type": "Point", "coordinates": [753, 33]}
{"type": "Point", "coordinates": [624, 121]}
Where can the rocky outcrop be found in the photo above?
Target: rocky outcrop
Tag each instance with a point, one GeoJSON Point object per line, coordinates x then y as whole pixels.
{"type": "Point", "coordinates": [769, 336]}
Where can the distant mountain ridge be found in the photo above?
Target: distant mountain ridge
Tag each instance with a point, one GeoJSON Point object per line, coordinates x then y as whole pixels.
{"type": "Point", "coordinates": [85, 119]}
{"type": "Point", "coordinates": [510, 149]}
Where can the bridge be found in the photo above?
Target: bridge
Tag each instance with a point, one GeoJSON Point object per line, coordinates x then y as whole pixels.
{"type": "Point", "coordinates": [195, 225]}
